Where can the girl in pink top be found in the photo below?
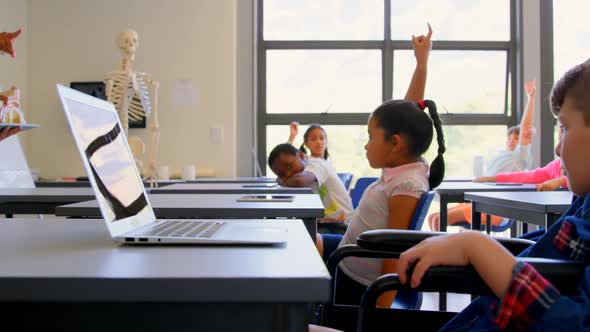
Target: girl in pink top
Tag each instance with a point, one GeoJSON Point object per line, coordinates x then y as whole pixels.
{"type": "Point", "coordinates": [547, 178]}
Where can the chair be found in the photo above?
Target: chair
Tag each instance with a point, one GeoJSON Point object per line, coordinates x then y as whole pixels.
{"type": "Point", "coordinates": [346, 178]}
{"type": "Point", "coordinates": [389, 243]}
{"type": "Point", "coordinates": [565, 275]}
{"type": "Point", "coordinates": [404, 299]}
{"type": "Point", "coordinates": [359, 188]}
{"type": "Point", "coordinates": [504, 225]}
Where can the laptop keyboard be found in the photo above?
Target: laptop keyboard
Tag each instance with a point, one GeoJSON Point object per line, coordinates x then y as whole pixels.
{"type": "Point", "coordinates": [186, 228]}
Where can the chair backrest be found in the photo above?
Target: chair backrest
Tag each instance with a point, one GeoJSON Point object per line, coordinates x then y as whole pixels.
{"type": "Point", "coordinates": [359, 188]}
{"type": "Point", "coordinates": [409, 299]}
{"type": "Point", "coordinates": [346, 179]}
{"type": "Point", "coordinates": [421, 210]}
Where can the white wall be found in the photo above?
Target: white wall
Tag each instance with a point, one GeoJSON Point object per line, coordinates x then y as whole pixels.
{"type": "Point", "coordinates": [13, 71]}
{"type": "Point", "coordinates": [73, 40]}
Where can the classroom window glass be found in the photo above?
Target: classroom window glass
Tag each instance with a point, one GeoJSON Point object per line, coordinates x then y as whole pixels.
{"type": "Point", "coordinates": [478, 80]}
{"type": "Point", "coordinates": [323, 20]}
{"type": "Point", "coordinates": [452, 19]}
{"type": "Point", "coordinates": [317, 81]}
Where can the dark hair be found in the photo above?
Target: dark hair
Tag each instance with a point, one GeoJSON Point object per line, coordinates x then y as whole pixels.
{"type": "Point", "coordinates": [309, 129]}
{"type": "Point", "coordinates": [513, 130]}
{"type": "Point", "coordinates": [280, 149]}
{"type": "Point", "coordinates": [575, 83]}
{"type": "Point", "coordinates": [402, 117]}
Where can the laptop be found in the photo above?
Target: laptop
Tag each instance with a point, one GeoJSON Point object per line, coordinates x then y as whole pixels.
{"type": "Point", "coordinates": [120, 192]}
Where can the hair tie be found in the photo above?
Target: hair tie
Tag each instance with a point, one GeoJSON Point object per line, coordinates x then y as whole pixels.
{"type": "Point", "coordinates": [422, 104]}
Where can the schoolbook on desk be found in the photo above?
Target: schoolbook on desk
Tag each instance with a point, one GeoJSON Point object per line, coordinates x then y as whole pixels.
{"type": "Point", "coordinates": [120, 193]}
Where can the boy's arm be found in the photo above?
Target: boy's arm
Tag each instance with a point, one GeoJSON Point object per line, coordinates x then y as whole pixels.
{"type": "Point", "coordinates": [303, 179]}
{"type": "Point", "coordinates": [526, 123]}
{"type": "Point", "coordinates": [422, 46]}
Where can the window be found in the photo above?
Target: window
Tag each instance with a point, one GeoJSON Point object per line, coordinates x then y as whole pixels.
{"type": "Point", "coordinates": [334, 61]}
{"type": "Point", "coordinates": [570, 31]}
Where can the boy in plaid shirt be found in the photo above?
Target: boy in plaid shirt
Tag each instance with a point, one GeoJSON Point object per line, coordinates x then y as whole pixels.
{"type": "Point", "coordinates": [524, 299]}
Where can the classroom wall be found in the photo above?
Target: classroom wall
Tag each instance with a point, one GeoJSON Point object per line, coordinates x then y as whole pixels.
{"type": "Point", "coordinates": [13, 71]}
{"type": "Point", "coordinates": [180, 42]}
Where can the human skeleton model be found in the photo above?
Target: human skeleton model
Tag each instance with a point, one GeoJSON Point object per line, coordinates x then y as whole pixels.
{"type": "Point", "coordinates": [135, 95]}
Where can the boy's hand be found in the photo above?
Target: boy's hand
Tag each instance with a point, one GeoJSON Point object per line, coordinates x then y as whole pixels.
{"type": "Point", "coordinates": [422, 46]}
{"type": "Point", "coordinates": [531, 87]}
{"type": "Point", "coordinates": [434, 251]}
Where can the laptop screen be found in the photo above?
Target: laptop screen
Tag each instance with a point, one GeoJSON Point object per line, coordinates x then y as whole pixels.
{"type": "Point", "coordinates": [107, 159]}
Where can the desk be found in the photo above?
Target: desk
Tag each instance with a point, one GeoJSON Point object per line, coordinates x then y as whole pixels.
{"type": "Point", "coordinates": [229, 188]}
{"type": "Point", "coordinates": [67, 275]}
{"type": "Point", "coordinates": [40, 200]}
{"type": "Point", "coordinates": [539, 208]}
{"type": "Point", "coordinates": [261, 179]}
{"type": "Point", "coordinates": [304, 206]}
{"type": "Point", "coordinates": [453, 192]}
{"type": "Point", "coordinates": [86, 184]}
{"type": "Point", "coordinates": [458, 179]}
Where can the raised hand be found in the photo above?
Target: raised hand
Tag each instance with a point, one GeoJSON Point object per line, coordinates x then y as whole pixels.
{"type": "Point", "coordinates": [531, 87]}
{"type": "Point", "coordinates": [422, 46]}
{"type": "Point", "coordinates": [293, 130]}
{"type": "Point", "coordinates": [6, 39]}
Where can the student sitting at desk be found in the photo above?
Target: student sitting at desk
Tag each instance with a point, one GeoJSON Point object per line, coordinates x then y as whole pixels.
{"type": "Point", "coordinates": [523, 299]}
{"type": "Point", "coordinates": [546, 178]}
{"type": "Point", "coordinates": [517, 157]}
{"type": "Point", "coordinates": [294, 169]}
{"type": "Point", "coordinates": [400, 132]}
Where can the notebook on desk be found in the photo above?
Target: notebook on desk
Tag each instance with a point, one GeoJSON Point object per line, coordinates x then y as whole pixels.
{"type": "Point", "coordinates": [120, 193]}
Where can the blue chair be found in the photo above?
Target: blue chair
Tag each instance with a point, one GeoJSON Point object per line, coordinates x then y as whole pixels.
{"type": "Point", "coordinates": [409, 299]}
{"type": "Point", "coordinates": [359, 188]}
{"type": "Point", "coordinates": [346, 178]}
{"type": "Point", "coordinates": [329, 313]}
{"type": "Point", "coordinates": [504, 225]}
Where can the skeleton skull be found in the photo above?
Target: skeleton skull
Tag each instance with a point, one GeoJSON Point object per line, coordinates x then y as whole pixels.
{"type": "Point", "coordinates": [128, 43]}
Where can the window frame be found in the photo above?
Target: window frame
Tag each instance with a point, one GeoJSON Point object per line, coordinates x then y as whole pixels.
{"type": "Point", "coordinates": [512, 109]}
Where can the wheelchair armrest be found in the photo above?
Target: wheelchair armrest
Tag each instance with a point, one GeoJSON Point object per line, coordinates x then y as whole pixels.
{"type": "Point", "coordinates": [397, 240]}
{"type": "Point", "coordinates": [564, 275]}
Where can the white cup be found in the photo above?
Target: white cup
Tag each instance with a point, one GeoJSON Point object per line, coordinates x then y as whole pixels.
{"type": "Point", "coordinates": [163, 172]}
{"type": "Point", "coordinates": [189, 172]}
{"type": "Point", "coordinates": [478, 166]}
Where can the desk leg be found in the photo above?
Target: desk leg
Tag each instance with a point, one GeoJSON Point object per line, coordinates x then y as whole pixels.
{"type": "Point", "coordinates": [442, 297]}
{"type": "Point", "coordinates": [312, 227]}
{"type": "Point", "coordinates": [475, 217]}
{"type": "Point", "coordinates": [443, 214]}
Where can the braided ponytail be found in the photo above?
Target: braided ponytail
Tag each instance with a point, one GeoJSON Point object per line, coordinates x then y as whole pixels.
{"type": "Point", "coordinates": [437, 168]}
